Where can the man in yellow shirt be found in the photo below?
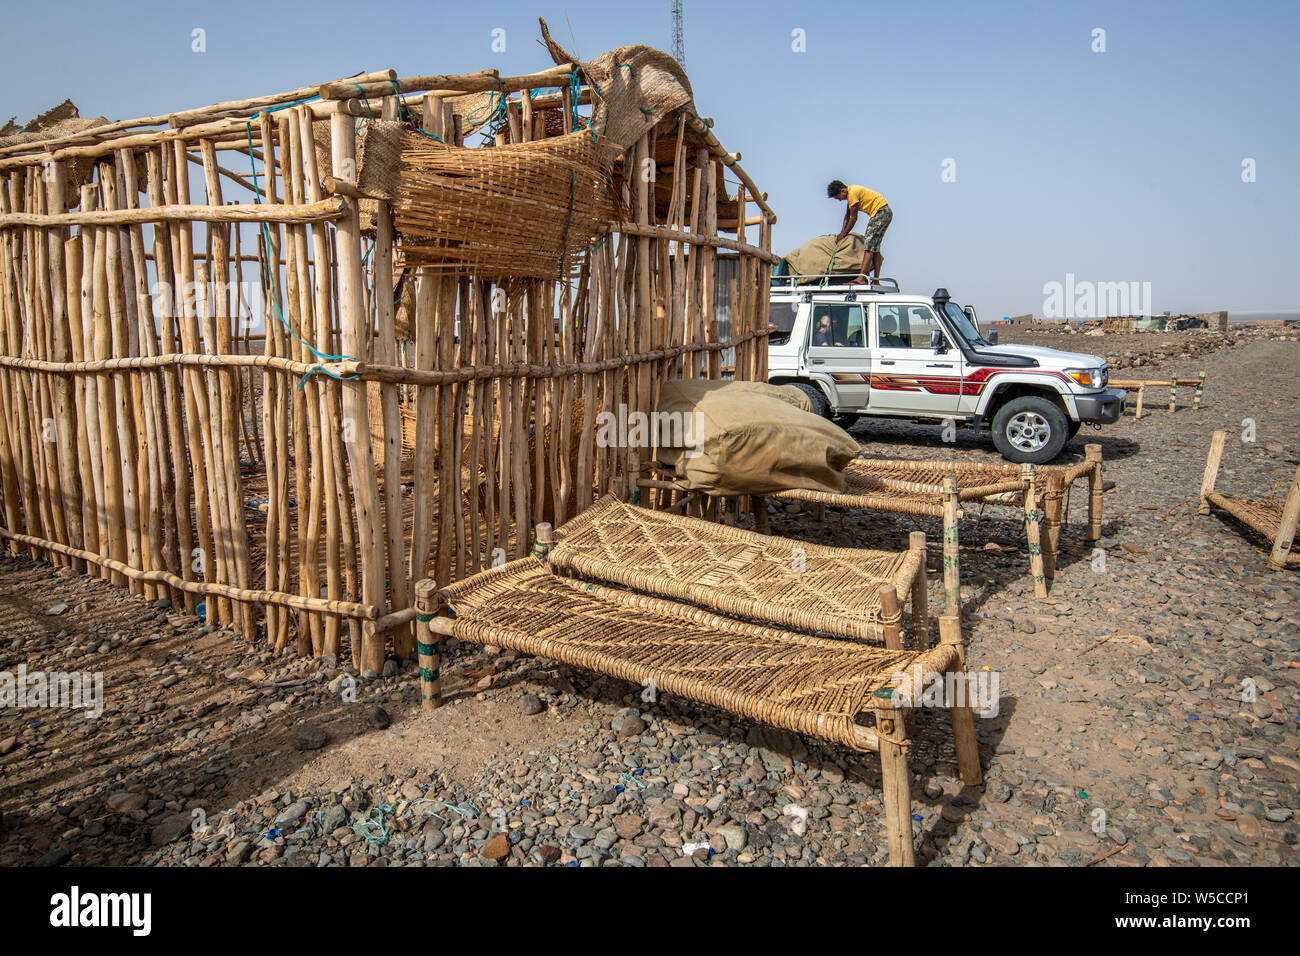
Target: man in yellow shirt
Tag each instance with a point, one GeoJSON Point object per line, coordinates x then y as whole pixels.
{"type": "Point", "coordinates": [877, 209]}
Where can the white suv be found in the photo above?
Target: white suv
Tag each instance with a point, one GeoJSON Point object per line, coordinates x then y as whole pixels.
{"type": "Point", "coordinates": [860, 350]}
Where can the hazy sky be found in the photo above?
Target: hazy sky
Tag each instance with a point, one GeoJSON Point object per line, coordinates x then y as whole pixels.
{"type": "Point", "coordinates": [1123, 165]}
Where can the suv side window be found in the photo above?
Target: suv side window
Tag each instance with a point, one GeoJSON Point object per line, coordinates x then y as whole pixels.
{"type": "Point", "coordinates": [780, 321]}
{"type": "Point", "coordinates": [905, 326]}
{"type": "Point", "coordinates": [837, 326]}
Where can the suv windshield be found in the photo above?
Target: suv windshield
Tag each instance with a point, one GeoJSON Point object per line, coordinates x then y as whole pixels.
{"type": "Point", "coordinates": [780, 320]}
{"type": "Point", "coordinates": [967, 329]}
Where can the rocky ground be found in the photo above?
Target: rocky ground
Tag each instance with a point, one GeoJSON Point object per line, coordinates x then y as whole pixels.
{"type": "Point", "coordinates": [1122, 735]}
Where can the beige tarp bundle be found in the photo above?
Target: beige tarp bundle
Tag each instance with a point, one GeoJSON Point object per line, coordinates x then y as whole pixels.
{"type": "Point", "coordinates": [741, 438]}
{"type": "Point", "coordinates": [821, 255]}
{"type": "Point", "coordinates": [636, 87]}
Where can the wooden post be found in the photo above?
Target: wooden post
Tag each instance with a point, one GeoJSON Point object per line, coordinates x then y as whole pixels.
{"type": "Point", "coordinates": [951, 551]}
{"type": "Point", "coordinates": [1092, 453]}
{"type": "Point", "coordinates": [963, 716]}
{"type": "Point", "coordinates": [920, 611]}
{"type": "Point", "coordinates": [1032, 532]}
{"type": "Point", "coordinates": [352, 324]}
{"type": "Point", "coordinates": [1137, 413]}
{"type": "Point", "coordinates": [634, 476]}
{"type": "Point", "coordinates": [542, 542]}
{"type": "Point", "coordinates": [426, 646]}
{"type": "Point", "coordinates": [895, 779]}
{"type": "Point", "coordinates": [1211, 470]}
{"type": "Point", "coordinates": [1286, 530]}
{"type": "Point", "coordinates": [891, 617]}
{"type": "Point", "coordinates": [759, 506]}
{"type": "Point", "coordinates": [1200, 390]}
{"type": "Point", "coordinates": [1173, 393]}
{"type": "Point", "coordinates": [1054, 501]}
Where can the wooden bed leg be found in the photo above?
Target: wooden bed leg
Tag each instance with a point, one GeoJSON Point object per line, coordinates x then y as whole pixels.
{"type": "Point", "coordinates": [819, 512]}
{"type": "Point", "coordinates": [729, 509]}
{"type": "Point", "coordinates": [963, 716]}
{"type": "Point", "coordinates": [895, 779]}
{"type": "Point", "coordinates": [633, 477]}
{"type": "Point", "coordinates": [1054, 500]}
{"type": "Point", "coordinates": [1211, 470]}
{"type": "Point", "coordinates": [951, 550]}
{"type": "Point", "coordinates": [1137, 412]}
{"type": "Point", "coordinates": [1092, 453]}
{"type": "Point", "coordinates": [761, 524]}
{"type": "Point", "coordinates": [1200, 390]}
{"type": "Point", "coordinates": [542, 543]}
{"type": "Point", "coordinates": [920, 612]}
{"type": "Point", "coordinates": [426, 645]}
{"type": "Point", "coordinates": [1286, 532]}
{"type": "Point", "coordinates": [891, 617]}
{"type": "Point", "coordinates": [1032, 535]}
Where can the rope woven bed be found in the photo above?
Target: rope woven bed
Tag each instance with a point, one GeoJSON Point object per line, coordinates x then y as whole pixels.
{"type": "Point", "coordinates": [786, 583]}
{"type": "Point", "coordinates": [1273, 518]}
{"type": "Point", "coordinates": [916, 488]}
{"type": "Point", "coordinates": [808, 685]}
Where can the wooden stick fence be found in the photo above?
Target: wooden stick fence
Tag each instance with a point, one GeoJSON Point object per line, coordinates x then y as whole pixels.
{"type": "Point", "coordinates": [292, 481]}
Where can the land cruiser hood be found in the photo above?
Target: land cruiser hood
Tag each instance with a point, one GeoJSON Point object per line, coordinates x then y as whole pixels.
{"type": "Point", "coordinates": [1044, 356]}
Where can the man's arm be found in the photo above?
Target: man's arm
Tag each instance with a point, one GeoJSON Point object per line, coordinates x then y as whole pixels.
{"type": "Point", "coordinates": [850, 217]}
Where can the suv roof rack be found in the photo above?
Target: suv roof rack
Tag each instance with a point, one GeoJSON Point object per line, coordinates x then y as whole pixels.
{"type": "Point", "coordinates": [809, 283]}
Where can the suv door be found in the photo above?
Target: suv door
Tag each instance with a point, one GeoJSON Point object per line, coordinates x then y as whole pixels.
{"type": "Point", "coordinates": [908, 376]}
{"type": "Point", "coordinates": [838, 347]}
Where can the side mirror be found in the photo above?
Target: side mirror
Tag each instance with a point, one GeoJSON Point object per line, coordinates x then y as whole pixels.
{"type": "Point", "coordinates": [937, 342]}
{"type": "Point", "coordinates": [993, 337]}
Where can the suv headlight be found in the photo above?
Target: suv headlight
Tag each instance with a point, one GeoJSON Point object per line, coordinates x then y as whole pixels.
{"type": "Point", "coordinates": [1087, 377]}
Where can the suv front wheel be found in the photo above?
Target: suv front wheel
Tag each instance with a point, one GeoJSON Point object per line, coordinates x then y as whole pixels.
{"type": "Point", "coordinates": [820, 405]}
{"type": "Point", "coordinates": [1030, 430]}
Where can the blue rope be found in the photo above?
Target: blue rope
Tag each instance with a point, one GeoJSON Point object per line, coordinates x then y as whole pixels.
{"type": "Point", "coordinates": [275, 286]}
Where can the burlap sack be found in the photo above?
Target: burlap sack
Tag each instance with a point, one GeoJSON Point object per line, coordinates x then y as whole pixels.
{"type": "Point", "coordinates": [750, 438]}
{"type": "Point", "coordinates": [636, 87]}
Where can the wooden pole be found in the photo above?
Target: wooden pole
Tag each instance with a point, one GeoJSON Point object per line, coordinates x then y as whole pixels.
{"type": "Point", "coordinates": [890, 617]}
{"type": "Point", "coordinates": [1286, 529]}
{"type": "Point", "coordinates": [1137, 412]}
{"type": "Point", "coordinates": [920, 611]}
{"type": "Point", "coordinates": [963, 716]}
{"type": "Point", "coordinates": [895, 779]}
{"type": "Point", "coordinates": [1092, 453]}
{"type": "Point", "coordinates": [951, 550]}
{"type": "Point", "coordinates": [1032, 531]}
{"type": "Point", "coordinates": [426, 645]}
{"type": "Point", "coordinates": [1054, 499]}
{"type": "Point", "coordinates": [352, 322]}
{"type": "Point", "coordinates": [1211, 472]}
{"type": "Point", "coordinates": [1200, 390]}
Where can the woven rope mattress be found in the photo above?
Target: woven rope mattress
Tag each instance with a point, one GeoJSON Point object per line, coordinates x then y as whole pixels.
{"type": "Point", "coordinates": [811, 588]}
{"type": "Point", "coordinates": [1263, 516]}
{"type": "Point", "coordinates": [804, 684]}
{"type": "Point", "coordinates": [916, 487]}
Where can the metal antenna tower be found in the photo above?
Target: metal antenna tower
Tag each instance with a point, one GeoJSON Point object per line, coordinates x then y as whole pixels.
{"type": "Point", "coordinates": [679, 44]}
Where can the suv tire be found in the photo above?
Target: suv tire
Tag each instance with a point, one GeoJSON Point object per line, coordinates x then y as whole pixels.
{"type": "Point", "coordinates": [1030, 429]}
{"type": "Point", "coordinates": [846, 420]}
{"type": "Point", "coordinates": [820, 405]}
